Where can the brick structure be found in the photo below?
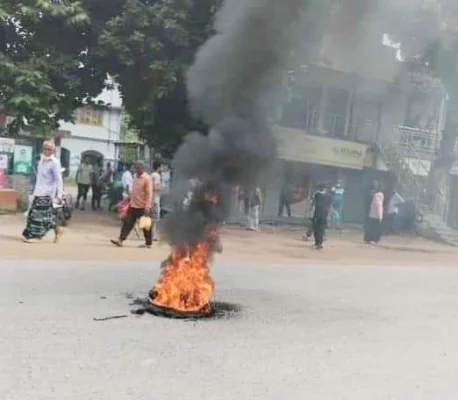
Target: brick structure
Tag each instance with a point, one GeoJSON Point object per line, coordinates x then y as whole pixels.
{"type": "Point", "coordinates": [8, 200]}
{"type": "Point", "coordinates": [16, 194]}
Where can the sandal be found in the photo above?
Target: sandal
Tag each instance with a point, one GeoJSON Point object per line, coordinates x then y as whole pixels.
{"type": "Point", "coordinates": [116, 242]}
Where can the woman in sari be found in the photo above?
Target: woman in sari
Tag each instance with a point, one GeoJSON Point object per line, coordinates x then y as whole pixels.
{"type": "Point", "coordinates": [373, 228]}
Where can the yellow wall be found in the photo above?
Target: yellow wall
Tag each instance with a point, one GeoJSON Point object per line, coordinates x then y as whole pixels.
{"type": "Point", "coordinates": [296, 145]}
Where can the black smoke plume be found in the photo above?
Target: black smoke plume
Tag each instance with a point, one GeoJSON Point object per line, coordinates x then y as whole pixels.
{"type": "Point", "coordinates": [228, 86]}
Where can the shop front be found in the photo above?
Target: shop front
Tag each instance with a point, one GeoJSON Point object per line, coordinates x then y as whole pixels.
{"type": "Point", "coordinates": [305, 161]}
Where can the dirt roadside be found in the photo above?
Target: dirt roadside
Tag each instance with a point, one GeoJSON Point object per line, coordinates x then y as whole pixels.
{"type": "Point", "coordinates": [87, 239]}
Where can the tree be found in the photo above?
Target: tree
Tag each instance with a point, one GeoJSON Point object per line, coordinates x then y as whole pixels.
{"type": "Point", "coordinates": [147, 48]}
{"type": "Point", "coordinates": [48, 66]}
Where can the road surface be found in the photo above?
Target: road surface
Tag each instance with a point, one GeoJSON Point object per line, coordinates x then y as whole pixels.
{"type": "Point", "coordinates": [310, 331]}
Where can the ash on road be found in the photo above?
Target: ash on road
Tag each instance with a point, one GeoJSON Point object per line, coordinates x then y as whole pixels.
{"type": "Point", "coordinates": [305, 332]}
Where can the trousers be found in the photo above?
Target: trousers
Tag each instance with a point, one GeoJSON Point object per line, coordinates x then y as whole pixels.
{"type": "Point", "coordinates": [319, 229]}
{"type": "Point", "coordinates": [133, 215]}
{"type": "Point", "coordinates": [253, 218]}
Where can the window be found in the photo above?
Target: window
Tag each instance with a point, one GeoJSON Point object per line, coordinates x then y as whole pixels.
{"type": "Point", "coordinates": [89, 116]}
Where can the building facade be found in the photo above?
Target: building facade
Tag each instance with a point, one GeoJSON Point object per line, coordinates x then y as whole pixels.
{"type": "Point", "coordinates": [95, 132]}
{"type": "Point", "coordinates": [336, 125]}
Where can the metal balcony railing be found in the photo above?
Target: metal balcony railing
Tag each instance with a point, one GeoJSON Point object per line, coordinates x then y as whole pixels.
{"type": "Point", "coordinates": [423, 142]}
{"type": "Point", "coordinates": [412, 147]}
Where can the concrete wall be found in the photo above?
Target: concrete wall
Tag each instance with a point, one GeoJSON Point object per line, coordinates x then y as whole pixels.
{"type": "Point", "coordinates": [78, 145]}
{"type": "Point", "coordinates": [102, 138]}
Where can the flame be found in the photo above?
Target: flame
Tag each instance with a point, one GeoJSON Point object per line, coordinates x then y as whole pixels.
{"type": "Point", "coordinates": [185, 284]}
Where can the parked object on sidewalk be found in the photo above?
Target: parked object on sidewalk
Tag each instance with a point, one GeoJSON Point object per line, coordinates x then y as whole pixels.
{"type": "Point", "coordinates": [64, 210]}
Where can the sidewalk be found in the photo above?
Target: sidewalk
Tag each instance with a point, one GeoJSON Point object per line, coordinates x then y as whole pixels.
{"type": "Point", "coordinates": [88, 238]}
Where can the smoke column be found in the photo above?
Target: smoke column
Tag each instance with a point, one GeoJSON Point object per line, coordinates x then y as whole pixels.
{"type": "Point", "coordinates": [228, 86]}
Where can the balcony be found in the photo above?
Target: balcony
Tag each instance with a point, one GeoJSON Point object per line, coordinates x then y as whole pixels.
{"type": "Point", "coordinates": [332, 125]}
{"type": "Point", "coordinates": [424, 143]}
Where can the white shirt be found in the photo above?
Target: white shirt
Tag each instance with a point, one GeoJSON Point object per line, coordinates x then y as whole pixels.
{"type": "Point", "coordinates": [127, 180]}
{"type": "Point", "coordinates": [395, 201]}
{"type": "Point", "coordinates": [156, 177]}
{"type": "Point", "coordinates": [49, 178]}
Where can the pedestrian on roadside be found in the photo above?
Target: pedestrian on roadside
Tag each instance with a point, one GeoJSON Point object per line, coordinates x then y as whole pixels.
{"type": "Point", "coordinates": [391, 219]}
{"type": "Point", "coordinates": [96, 186]}
{"type": "Point", "coordinates": [107, 175]}
{"type": "Point", "coordinates": [256, 201]}
{"type": "Point", "coordinates": [140, 199]}
{"type": "Point", "coordinates": [83, 180]}
{"type": "Point", "coordinates": [127, 179]}
{"type": "Point", "coordinates": [285, 199]}
{"type": "Point", "coordinates": [337, 193]}
{"type": "Point", "coordinates": [48, 189]}
{"type": "Point", "coordinates": [322, 202]}
{"type": "Point", "coordinates": [373, 228]}
{"type": "Point", "coordinates": [156, 178]}
{"type": "Point", "coordinates": [309, 219]}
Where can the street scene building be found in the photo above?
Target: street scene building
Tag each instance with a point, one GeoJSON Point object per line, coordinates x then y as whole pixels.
{"type": "Point", "coordinates": [343, 123]}
{"type": "Point", "coordinates": [94, 133]}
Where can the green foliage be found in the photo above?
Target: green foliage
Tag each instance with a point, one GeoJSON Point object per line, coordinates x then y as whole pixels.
{"type": "Point", "coordinates": [55, 57]}
{"type": "Point", "coordinates": [46, 64]}
{"type": "Point", "coordinates": [127, 133]}
{"type": "Point", "coordinates": [148, 48]}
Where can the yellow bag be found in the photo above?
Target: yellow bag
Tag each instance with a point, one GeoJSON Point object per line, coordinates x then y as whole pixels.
{"type": "Point", "coordinates": [145, 223]}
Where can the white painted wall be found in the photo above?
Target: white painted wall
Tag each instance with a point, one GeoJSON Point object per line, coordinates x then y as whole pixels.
{"type": "Point", "coordinates": [97, 138]}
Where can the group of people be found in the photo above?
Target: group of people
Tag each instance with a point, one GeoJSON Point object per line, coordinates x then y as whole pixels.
{"type": "Point", "coordinates": [94, 177]}
{"type": "Point", "coordinates": [141, 191]}
{"type": "Point", "coordinates": [381, 216]}
{"type": "Point", "coordinates": [326, 207]}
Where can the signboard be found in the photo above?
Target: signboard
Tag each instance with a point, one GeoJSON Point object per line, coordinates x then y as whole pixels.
{"type": "Point", "coordinates": [3, 161]}
{"type": "Point", "coordinates": [6, 145]}
{"type": "Point", "coordinates": [296, 145]}
{"type": "Point", "coordinates": [23, 158]}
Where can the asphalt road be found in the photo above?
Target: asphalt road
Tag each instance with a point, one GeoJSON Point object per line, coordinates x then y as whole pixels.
{"type": "Point", "coordinates": [311, 332]}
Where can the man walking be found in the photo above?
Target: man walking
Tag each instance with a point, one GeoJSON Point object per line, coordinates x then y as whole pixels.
{"type": "Point", "coordinates": [322, 202]}
{"type": "Point", "coordinates": [140, 200]}
{"type": "Point", "coordinates": [127, 180]}
{"type": "Point", "coordinates": [310, 215]}
{"type": "Point", "coordinates": [157, 188]}
{"type": "Point", "coordinates": [83, 180]}
{"type": "Point", "coordinates": [96, 185]}
{"type": "Point", "coordinates": [255, 208]}
{"type": "Point", "coordinates": [285, 199]}
{"type": "Point", "coordinates": [48, 188]}
{"type": "Point", "coordinates": [391, 220]}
